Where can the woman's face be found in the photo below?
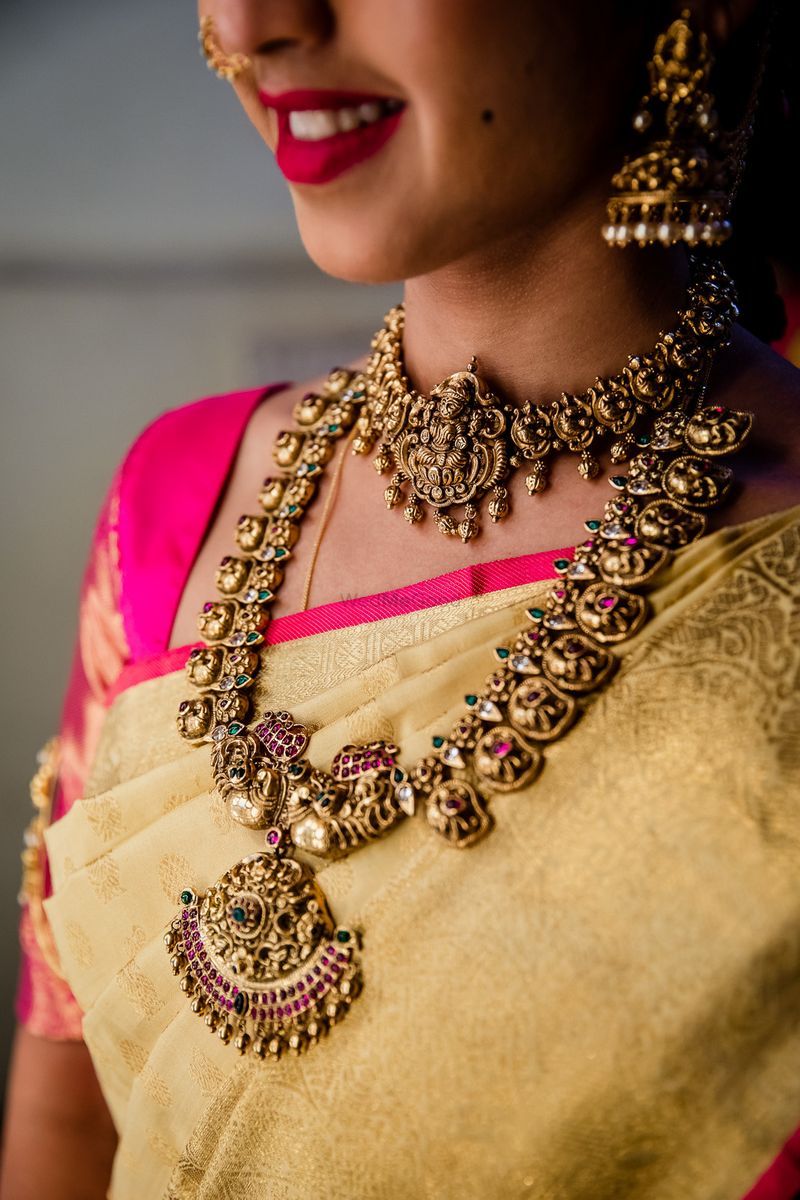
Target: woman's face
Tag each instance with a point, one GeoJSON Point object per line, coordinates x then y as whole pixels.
{"type": "Point", "coordinates": [446, 124]}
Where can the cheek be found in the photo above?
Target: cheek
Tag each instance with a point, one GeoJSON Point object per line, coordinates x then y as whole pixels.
{"type": "Point", "coordinates": [487, 117]}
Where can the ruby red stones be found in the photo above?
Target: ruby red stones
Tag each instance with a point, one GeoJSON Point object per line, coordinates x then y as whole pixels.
{"type": "Point", "coordinates": [503, 760]}
{"type": "Point", "coordinates": [237, 922]}
{"type": "Point", "coordinates": [539, 710]}
{"type": "Point", "coordinates": [576, 664]}
{"type": "Point", "coordinates": [377, 757]}
{"type": "Point", "coordinates": [283, 737]}
{"type": "Point", "coordinates": [610, 614]}
{"type": "Point", "coordinates": [456, 811]}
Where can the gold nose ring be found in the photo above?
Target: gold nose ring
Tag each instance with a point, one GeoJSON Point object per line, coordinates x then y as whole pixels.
{"type": "Point", "coordinates": [224, 66]}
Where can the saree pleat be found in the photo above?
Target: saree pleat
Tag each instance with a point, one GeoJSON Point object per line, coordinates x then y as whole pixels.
{"type": "Point", "coordinates": [599, 1000]}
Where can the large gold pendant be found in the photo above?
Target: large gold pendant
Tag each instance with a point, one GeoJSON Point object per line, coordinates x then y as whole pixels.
{"type": "Point", "coordinates": [261, 957]}
{"type": "Point", "coordinates": [450, 448]}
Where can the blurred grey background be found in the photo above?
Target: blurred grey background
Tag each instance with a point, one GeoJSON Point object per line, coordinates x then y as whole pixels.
{"type": "Point", "coordinates": [148, 256]}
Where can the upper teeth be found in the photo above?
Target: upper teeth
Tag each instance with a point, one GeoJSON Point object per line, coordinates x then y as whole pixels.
{"type": "Point", "coordinates": [314, 124]}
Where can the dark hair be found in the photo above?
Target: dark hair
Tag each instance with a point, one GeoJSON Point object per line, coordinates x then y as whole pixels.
{"type": "Point", "coordinates": [765, 214]}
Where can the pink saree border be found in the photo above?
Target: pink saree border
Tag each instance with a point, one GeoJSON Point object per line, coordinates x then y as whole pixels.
{"type": "Point", "coordinates": [477, 579]}
{"type": "Point", "coordinates": [781, 1180]}
{"type": "Point", "coordinates": [177, 466]}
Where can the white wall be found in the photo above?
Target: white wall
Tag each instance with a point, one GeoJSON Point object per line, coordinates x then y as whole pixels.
{"type": "Point", "coordinates": [148, 255]}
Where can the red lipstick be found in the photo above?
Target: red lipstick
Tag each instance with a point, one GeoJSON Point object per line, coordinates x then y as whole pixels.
{"type": "Point", "coordinates": [332, 149]}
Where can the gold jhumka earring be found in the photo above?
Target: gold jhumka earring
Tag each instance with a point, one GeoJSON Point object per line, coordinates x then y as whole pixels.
{"type": "Point", "coordinates": [225, 66]}
{"type": "Point", "coordinates": [679, 189]}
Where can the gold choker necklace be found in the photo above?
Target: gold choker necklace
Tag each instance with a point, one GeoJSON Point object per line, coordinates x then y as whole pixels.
{"type": "Point", "coordinates": [452, 448]}
{"type": "Point", "coordinates": [259, 952]}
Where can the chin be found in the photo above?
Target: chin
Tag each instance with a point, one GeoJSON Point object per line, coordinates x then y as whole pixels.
{"type": "Point", "coordinates": [371, 247]}
{"type": "Point", "coordinates": [354, 255]}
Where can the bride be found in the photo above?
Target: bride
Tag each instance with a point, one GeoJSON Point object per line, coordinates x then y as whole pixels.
{"type": "Point", "coordinates": [255, 962]}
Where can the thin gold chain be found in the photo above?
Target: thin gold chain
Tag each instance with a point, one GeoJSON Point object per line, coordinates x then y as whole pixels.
{"type": "Point", "coordinates": [326, 512]}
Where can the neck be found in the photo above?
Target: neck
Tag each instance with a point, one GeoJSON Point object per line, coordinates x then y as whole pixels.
{"type": "Point", "coordinates": [544, 312]}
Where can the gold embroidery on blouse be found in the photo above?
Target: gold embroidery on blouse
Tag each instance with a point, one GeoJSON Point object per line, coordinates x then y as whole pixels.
{"type": "Point", "coordinates": [42, 787]}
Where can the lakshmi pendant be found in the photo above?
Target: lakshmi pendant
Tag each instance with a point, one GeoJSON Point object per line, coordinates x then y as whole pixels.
{"type": "Point", "coordinates": [450, 450]}
{"type": "Point", "coordinates": [261, 957]}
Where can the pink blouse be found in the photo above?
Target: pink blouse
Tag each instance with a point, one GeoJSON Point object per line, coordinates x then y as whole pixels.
{"type": "Point", "coordinates": [150, 528]}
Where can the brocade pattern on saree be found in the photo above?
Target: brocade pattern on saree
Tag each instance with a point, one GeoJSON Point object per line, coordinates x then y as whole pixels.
{"type": "Point", "coordinates": [600, 1000]}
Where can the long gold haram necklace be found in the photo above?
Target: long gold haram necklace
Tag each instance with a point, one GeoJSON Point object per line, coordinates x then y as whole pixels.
{"type": "Point", "coordinates": [259, 952]}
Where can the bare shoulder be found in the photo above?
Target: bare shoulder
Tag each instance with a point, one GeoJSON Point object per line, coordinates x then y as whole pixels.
{"type": "Point", "coordinates": [767, 381]}
{"type": "Point", "coordinates": [753, 377]}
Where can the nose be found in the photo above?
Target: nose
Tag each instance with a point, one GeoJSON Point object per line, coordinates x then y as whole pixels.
{"type": "Point", "coordinates": [265, 27]}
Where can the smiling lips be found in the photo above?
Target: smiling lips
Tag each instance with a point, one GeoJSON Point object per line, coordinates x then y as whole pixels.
{"type": "Point", "coordinates": [321, 134]}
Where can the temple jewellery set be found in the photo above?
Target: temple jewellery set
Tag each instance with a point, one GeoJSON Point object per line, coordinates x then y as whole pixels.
{"type": "Point", "coordinates": [258, 954]}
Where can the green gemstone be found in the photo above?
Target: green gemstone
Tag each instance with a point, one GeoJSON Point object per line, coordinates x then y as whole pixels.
{"type": "Point", "coordinates": [334, 428]}
{"type": "Point", "coordinates": [560, 564]}
{"type": "Point", "coordinates": [187, 896]}
{"type": "Point", "coordinates": [619, 481]}
{"type": "Point", "coordinates": [536, 614]}
{"type": "Point", "coordinates": [398, 775]}
{"type": "Point", "coordinates": [238, 915]}
{"type": "Point", "coordinates": [502, 653]}
{"type": "Point", "coordinates": [438, 742]}
{"type": "Point", "coordinates": [265, 594]}
{"type": "Point", "coordinates": [471, 700]}
{"type": "Point", "coordinates": [281, 553]}
{"type": "Point", "coordinates": [253, 638]}
{"type": "Point", "coordinates": [292, 509]}
{"type": "Point", "coordinates": [643, 439]}
{"type": "Point", "coordinates": [241, 680]}
{"type": "Point", "coordinates": [592, 526]}
{"type": "Point", "coordinates": [313, 469]}
{"type": "Point", "coordinates": [295, 769]}
{"type": "Point", "coordinates": [343, 936]}
{"type": "Point", "coordinates": [235, 727]}
{"type": "Point", "coordinates": [359, 394]}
